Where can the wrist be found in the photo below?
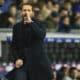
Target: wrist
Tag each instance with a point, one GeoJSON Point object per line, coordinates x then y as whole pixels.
{"type": "Point", "coordinates": [28, 22]}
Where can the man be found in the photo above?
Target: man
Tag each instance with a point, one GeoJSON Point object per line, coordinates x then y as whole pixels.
{"type": "Point", "coordinates": [53, 21]}
{"type": "Point", "coordinates": [74, 73]}
{"type": "Point", "coordinates": [31, 60]}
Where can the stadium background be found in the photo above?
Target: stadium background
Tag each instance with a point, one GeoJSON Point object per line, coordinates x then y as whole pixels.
{"type": "Point", "coordinates": [62, 21]}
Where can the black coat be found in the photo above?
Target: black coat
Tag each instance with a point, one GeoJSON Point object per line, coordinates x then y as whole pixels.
{"type": "Point", "coordinates": [28, 44]}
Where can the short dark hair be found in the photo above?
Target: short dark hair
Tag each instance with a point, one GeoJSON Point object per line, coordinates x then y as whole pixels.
{"type": "Point", "coordinates": [63, 9]}
{"type": "Point", "coordinates": [72, 69]}
{"type": "Point", "coordinates": [26, 4]}
{"type": "Point", "coordinates": [54, 2]}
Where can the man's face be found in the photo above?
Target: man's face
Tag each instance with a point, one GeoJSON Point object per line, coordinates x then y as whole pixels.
{"type": "Point", "coordinates": [56, 19]}
{"type": "Point", "coordinates": [66, 21]}
{"type": "Point", "coordinates": [68, 6]}
{"type": "Point", "coordinates": [27, 10]}
{"type": "Point", "coordinates": [64, 13]}
{"type": "Point", "coordinates": [56, 7]}
{"type": "Point", "coordinates": [13, 11]}
{"type": "Point", "coordinates": [74, 73]}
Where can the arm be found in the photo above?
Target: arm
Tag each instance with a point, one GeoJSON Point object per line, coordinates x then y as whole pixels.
{"type": "Point", "coordinates": [38, 30]}
{"type": "Point", "coordinates": [37, 27]}
{"type": "Point", "coordinates": [16, 52]}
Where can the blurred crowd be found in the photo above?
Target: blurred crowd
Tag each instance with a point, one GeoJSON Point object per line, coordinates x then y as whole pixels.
{"type": "Point", "coordinates": [57, 15]}
{"type": "Point", "coordinates": [63, 72]}
{"type": "Point", "coordinates": [66, 73]}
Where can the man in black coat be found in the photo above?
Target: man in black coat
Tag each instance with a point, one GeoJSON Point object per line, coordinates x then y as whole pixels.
{"type": "Point", "coordinates": [31, 61]}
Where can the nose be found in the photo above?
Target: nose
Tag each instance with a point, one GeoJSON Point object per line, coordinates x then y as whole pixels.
{"type": "Point", "coordinates": [26, 12]}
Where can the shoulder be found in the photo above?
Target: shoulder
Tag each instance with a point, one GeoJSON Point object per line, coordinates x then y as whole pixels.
{"type": "Point", "coordinates": [39, 23]}
{"type": "Point", "coordinates": [17, 25]}
{"type": "Point", "coordinates": [36, 21]}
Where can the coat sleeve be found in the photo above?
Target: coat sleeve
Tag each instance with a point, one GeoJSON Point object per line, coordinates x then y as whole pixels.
{"type": "Point", "coordinates": [16, 53]}
{"type": "Point", "coordinates": [38, 30]}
